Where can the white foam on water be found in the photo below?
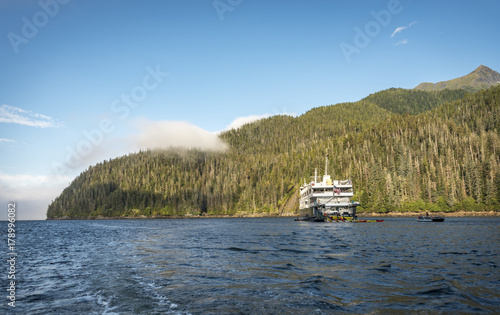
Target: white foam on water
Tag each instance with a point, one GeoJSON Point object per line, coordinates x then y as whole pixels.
{"type": "Point", "coordinates": [162, 301]}
{"type": "Point", "coordinates": [101, 300]}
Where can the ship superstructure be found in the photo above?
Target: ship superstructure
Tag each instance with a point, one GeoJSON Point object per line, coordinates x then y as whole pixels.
{"type": "Point", "coordinates": [327, 198]}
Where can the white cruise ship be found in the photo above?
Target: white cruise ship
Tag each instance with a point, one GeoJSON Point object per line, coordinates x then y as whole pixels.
{"type": "Point", "coordinates": [327, 198]}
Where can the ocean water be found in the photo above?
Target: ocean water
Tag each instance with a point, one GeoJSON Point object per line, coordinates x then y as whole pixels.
{"type": "Point", "coordinates": [256, 266]}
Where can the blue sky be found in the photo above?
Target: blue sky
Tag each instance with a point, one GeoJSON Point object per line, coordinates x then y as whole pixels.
{"type": "Point", "coordinates": [84, 81]}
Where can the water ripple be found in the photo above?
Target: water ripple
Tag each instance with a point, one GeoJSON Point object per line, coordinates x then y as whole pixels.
{"type": "Point", "coordinates": [258, 266]}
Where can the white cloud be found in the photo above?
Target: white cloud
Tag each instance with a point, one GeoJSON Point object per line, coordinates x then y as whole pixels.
{"type": "Point", "coordinates": [143, 135]}
{"type": "Point", "coordinates": [24, 180]}
{"type": "Point", "coordinates": [16, 115]}
{"type": "Point", "coordinates": [35, 192]}
{"type": "Point", "coordinates": [32, 193]}
{"type": "Point", "coordinates": [3, 140]}
{"type": "Point", "coordinates": [399, 29]}
{"type": "Point", "coordinates": [402, 42]}
{"type": "Point", "coordinates": [166, 134]}
{"type": "Point", "coordinates": [240, 121]}
{"type": "Point", "coordinates": [402, 28]}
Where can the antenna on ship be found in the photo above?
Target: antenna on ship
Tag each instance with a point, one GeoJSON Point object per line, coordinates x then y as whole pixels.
{"type": "Point", "coordinates": [326, 165]}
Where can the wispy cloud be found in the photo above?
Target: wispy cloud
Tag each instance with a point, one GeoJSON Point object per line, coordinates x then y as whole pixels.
{"type": "Point", "coordinates": [399, 29]}
{"type": "Point", "coordinates": [3, 140]}
{"type": "Point", "coordinates": [402, 28]}
{"type": "Point", "coordinates": [402, 42]}
{"type": "Point", "coordinates": [16, 115]}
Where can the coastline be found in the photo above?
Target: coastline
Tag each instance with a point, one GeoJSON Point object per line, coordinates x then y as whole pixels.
{"type": "Point", "coordinates": [441, 214]}
{"type": "Point", "coordinates": [273, 215]}
{"type": "Point", "coordinates": [276, 215]}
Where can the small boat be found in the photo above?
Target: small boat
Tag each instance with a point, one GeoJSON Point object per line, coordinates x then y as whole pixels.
{"type": "Point", "coordinates": [430, 219]}
{"type": "Point", "coordinates": [309, 219]}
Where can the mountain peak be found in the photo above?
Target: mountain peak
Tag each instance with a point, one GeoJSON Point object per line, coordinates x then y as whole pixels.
{"type": "Point", "coordinates": [481, 78]}
{"type": "Point", "coordinates": [483, 69]}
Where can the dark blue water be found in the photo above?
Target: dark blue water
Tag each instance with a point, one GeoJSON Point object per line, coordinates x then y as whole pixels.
{"type": "Point", "coordinates": [257, 266]}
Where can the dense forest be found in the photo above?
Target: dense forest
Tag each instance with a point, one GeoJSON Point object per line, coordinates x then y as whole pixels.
{"type": "Point", "coordinates": [405, 150]}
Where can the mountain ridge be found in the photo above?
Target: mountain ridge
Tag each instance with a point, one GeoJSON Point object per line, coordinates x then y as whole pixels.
{"type": "Point", "coordinates": [481, 78]}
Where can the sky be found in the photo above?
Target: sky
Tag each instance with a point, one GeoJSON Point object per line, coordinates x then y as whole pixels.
{"type": "Point", "coordinates": [85, 81]}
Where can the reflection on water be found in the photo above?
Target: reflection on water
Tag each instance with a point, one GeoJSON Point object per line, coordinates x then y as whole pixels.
{"type": "Point", "coordinates": [272, 265]}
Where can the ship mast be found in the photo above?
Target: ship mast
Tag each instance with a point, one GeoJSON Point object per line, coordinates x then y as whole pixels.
{"type": "Point", "coordinates": [326, 165]}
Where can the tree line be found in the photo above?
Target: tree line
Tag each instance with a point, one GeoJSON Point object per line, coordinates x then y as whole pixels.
{"type": "Point", "coordinates": [404, 150]}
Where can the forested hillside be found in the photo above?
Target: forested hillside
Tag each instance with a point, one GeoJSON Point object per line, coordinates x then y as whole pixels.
{"type": "Point", "coordinates": [405, 150]}
{"type": "Point", "coordinates": [401, 101]}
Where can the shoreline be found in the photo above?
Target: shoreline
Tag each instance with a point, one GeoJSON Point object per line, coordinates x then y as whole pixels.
{"type": "Point", "coordinates": [441, 214]}
{"type": "Point", "coordinates": [275, 215]}
{"type": "Point", "coordinates": [159, 217]}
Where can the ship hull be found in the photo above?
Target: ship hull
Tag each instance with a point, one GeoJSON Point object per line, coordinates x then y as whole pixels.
{"type": "Point", "coordinates": [324, 211]}
{"type": "Point", "coordinates": [307, 212]}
